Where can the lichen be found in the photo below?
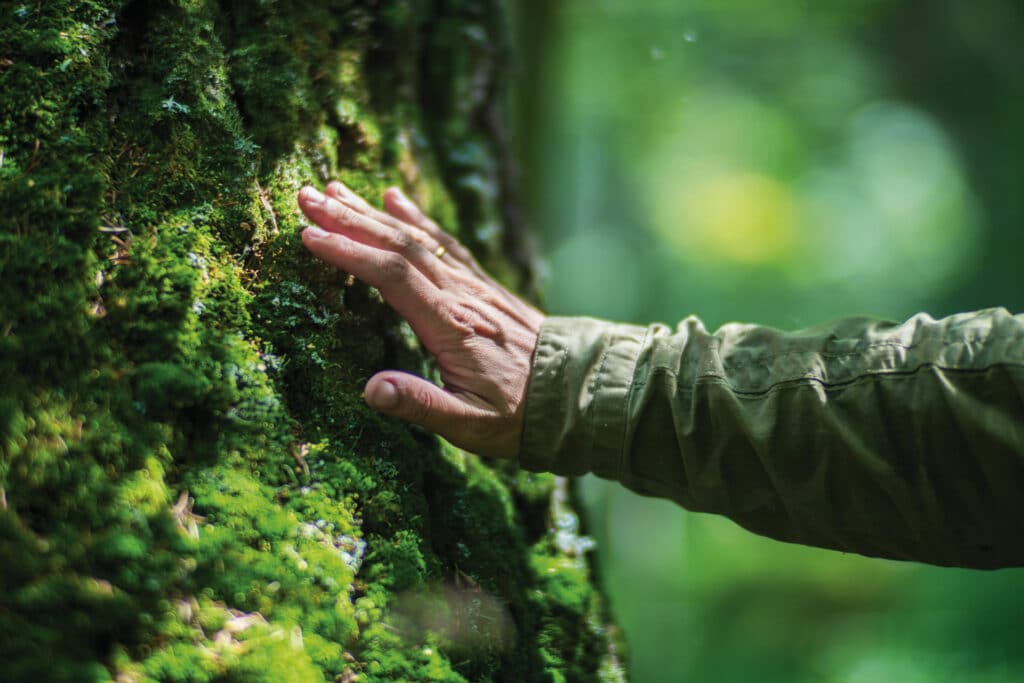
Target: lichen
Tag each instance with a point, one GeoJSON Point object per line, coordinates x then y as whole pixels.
{"type": "Point", "coordinates": [191, 487]}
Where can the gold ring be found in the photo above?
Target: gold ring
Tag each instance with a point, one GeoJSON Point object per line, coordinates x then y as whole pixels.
{"type": "Point", "coordinates": [440, 251]}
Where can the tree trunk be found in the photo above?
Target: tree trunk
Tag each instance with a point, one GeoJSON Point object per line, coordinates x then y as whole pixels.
{"type": "Point", "coordinates": [191, 487]}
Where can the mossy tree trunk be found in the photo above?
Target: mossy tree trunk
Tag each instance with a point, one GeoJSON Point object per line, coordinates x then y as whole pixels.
{"type": "Point", "coordinates": [191, 488]}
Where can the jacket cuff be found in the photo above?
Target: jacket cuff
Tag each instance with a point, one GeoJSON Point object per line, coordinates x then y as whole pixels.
{"type": "Point", "coordinates": [576, 399]}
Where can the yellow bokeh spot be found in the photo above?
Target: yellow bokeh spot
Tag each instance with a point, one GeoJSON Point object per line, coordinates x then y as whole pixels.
{"type": "Point", "coordinates": [735, 217]}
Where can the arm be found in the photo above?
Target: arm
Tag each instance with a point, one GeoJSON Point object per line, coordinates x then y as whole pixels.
{"type": "Point", "coordinates": [903, 441]}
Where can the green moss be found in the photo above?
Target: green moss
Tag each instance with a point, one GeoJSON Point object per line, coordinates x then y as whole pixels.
{"type": "Point", "coordinates": [191, 486]}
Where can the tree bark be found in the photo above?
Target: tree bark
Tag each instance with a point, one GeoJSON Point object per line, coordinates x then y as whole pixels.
{"type": "Point", "coordinates": [191, 487]}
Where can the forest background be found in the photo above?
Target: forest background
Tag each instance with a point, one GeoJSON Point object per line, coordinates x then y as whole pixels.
{"type": "Point", "coordinates": [782, 163]}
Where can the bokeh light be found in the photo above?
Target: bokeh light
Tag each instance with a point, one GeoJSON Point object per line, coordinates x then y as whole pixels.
{"type": "Point", "coordinates": [779, 163]}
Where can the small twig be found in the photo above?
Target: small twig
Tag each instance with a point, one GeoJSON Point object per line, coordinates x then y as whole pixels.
{"type": "Point", "coordinates": [1, 157]}
{"type": "Point", "coordinates": [187, 520]}
{"type": "Point", "coordinates": [182, 506]}
{"type": "Point", "coordinates": [300, 457]}
{"type": "Point", "coordinates": [122, 252]}
{"type": "Point", "coordinates": [3, 499]}
{"type": "Point", "coordinates": [116, 229]}
{"type": "Point", "coordinates": [265, 200]}
{"type": "Point", "coordinates": [35, 156]}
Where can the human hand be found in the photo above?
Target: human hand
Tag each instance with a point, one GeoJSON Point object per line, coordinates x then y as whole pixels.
{"type": "Point", "coordinates": [481, 335]}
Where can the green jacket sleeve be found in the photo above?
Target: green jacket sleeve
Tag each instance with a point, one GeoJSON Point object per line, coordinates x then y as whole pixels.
{"type": "Point", "coordinates": [902, 440]}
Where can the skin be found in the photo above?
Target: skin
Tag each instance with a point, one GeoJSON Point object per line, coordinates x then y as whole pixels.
{"type": "Point", "coordinates": [481, 335]}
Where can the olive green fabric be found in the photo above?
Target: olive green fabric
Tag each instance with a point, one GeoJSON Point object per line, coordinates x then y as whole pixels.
{"type": "Point", "coordinates": [899, 440]}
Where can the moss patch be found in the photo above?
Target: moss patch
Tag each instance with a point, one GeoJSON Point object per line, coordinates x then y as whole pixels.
{"type": "Point", "coordinates": [191, 487]}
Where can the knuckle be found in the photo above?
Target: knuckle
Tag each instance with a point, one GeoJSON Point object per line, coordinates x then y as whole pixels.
{"type": "Point", "coordinates": [476, 289]}
{"type": "Point", "coordinates": [462, 317]}
{"type": "Point", "coordinates": [402, 242]}
{"type": "Point", "coordinates": [394, 268]}
{"type": "Point", "coordinates": [472, 319]}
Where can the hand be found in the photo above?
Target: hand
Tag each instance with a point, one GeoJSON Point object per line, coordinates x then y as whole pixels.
{"type": "Point", "coordinates": [480, 334]}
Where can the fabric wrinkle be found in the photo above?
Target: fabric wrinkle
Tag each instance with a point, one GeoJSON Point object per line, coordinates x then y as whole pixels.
{"type": "Point", "coordinates": [901, 440]}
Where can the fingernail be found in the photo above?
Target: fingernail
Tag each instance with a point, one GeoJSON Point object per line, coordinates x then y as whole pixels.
{"type": "Point", "coordinates": [313, 196]}
{"type": "Point", "coordinates": [315, 232]}
{"type": "Point", "coordinates": [384, 396]}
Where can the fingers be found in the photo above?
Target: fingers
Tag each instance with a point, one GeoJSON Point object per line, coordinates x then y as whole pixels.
{"type": "Point", "coordinates": [338, 191]}
{"type": "Point", "coordinates": [402, 213]}
{"type": "Point", "coordinates": [352, 218]}
{"type": "Point", "coordinates": [405, 210]}
{"type": "Point", "coordinates": [388, 251]}
{"type": "Point", "coordinates": [423, 403]}
{"type": "Point", "coordinates": [404, 287]}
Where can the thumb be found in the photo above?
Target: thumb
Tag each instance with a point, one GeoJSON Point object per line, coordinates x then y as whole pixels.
{"type": "Point", "coordinates": [416, 400]}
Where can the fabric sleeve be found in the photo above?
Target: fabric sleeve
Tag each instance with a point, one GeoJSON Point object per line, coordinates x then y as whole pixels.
{"type": "Point", "coordinates": [898, 440]}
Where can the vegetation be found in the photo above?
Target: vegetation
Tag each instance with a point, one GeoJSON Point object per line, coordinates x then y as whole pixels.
{"type": "Point", "coordinates": [191, 488]}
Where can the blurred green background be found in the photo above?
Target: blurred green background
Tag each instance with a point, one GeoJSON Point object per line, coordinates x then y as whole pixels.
{"type": "Point", "coordinates": [783, 163]}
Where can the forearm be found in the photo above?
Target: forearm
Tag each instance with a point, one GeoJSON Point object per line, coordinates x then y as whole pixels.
{"type": "Point", "coordinates": [903, 441]}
